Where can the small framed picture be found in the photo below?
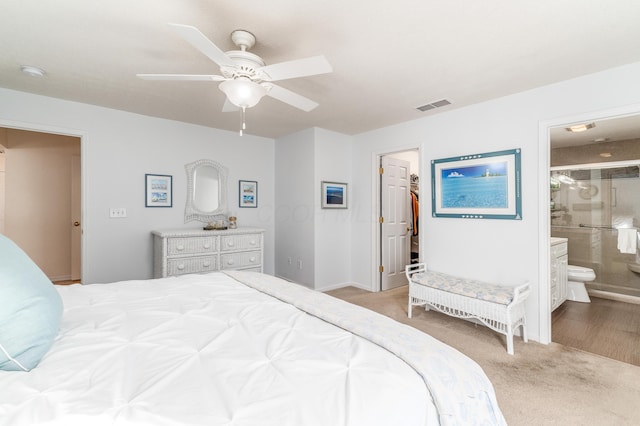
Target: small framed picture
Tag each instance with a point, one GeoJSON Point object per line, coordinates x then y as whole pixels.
{"type": "Point", "coordinates": [158, 190]}
{"type": "Point", "coordinates": [334, 195]}
{"type": "Point", "coordinates": [248, 193]}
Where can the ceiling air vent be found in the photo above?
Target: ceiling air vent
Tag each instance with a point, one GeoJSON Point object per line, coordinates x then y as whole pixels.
{"type": "Point", "coordinates": [434, 105]}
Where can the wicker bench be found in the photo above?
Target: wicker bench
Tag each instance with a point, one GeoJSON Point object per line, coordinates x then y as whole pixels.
{"type": "Point", "coordinates": [501, 308]}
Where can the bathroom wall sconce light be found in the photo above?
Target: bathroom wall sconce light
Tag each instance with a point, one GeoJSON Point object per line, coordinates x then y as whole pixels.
{"type": "Point", "coordinates": [580, 127]}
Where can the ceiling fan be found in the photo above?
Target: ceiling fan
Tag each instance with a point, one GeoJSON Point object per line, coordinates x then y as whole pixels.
{"type": "Point", "coordinates": [245, 77]}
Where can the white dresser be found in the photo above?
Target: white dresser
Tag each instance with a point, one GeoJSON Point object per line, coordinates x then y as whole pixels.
{"type": "Point", "coordinates": [185, 251]}
{"type": "Point", "coordinates": [558, 271]}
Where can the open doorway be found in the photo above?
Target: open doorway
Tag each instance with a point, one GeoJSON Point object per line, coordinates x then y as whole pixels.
{"type": "Point", "coordinates": [399, 224]}
{"type": "Point", "coordinates": [593, 181]}
{"type": "Point", "coordinates": [40, 200]}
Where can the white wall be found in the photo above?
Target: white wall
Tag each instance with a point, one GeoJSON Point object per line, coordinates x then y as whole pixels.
{"type": "Point", "coordinates": [118, 148]}
{"type": "Point", "coordinates": [316, 240]}
{"type": "Point", "coordinates": [295, 237]}
{"type": "Point", "coordinates": [500, 250]}
{"type": "Point", "coordinates": [333, 226]}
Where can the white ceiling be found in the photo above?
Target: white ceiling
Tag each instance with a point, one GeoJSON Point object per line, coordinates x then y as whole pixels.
{"type": "Point", "coordinates": [389, 57]}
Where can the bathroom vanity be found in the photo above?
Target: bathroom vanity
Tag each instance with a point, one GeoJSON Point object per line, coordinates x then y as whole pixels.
{"type": "Point", "coordinates": [558, 271]}
{"type": "Point", "coordinates": [186, 251]}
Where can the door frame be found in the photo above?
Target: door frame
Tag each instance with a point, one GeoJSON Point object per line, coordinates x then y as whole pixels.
{"type": "Point", "coordinates": [45, 128]}
{"type": "Point", "coordinates": [376, 247]}
{"type": "Point", "coordinates": [544, 222]}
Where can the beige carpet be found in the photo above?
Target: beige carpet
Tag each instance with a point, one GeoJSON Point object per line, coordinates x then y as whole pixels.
{"type": "Point", "coordinates": [540, 384]}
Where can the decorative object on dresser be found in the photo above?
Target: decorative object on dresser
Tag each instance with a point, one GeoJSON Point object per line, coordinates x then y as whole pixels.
{"type": "Point", "coordinates": [186, 251]}
{"type": "Point", "coordinates": [248, 193]}
{"type": "Point", "coordinates": [158, 190]}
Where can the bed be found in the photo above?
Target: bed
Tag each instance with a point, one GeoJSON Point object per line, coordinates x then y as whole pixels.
{"type": "Point", "coordinates": [237, 348]}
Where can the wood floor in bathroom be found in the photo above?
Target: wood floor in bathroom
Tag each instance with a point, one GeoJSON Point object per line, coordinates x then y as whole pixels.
{"type": "Point", "coordinates": [604, 327]}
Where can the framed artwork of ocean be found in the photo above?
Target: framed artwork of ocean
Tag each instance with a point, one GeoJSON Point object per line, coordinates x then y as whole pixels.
{"type": "Point", "coordinates": [478, 186]}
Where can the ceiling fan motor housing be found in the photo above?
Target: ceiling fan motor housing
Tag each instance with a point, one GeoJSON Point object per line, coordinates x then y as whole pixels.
{"type": "Point", "coordinates": [247, 65]}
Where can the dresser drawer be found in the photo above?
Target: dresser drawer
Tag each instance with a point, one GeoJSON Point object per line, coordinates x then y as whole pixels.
{"type": "Point", "coordinates": [240, 260]}
{"type": "Point", "coordinates": [184, 251]}
{"type": "Point", "coordinates": [241, 242]}
{"type": "Point", "coordinates": [191, 245]}
{"type": "Point", "coordinates": [192, 265]}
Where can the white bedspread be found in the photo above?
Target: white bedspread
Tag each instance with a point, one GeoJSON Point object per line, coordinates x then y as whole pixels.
{"type": "Point", "coordinates": [460, 389]}
{"type": "Point", "coordinates": [208, 350]}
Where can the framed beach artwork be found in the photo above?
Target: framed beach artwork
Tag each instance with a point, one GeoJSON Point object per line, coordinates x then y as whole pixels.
{"type": "Point", "coordinates": [479, 186]}
{"type": "Point", "coordinates": [158, 190]}
{"type": "Point", "coordinates": [334, 195]}
{"type": "Point", "coordinates": [248, 195]}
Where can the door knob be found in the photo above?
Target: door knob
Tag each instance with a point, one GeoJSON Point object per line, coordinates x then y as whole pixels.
{"type": "Point", "coordinates": [76, 223]}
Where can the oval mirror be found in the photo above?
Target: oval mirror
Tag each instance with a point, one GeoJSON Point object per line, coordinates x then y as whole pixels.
{"type": "Point", "coordinates": [206, 191]}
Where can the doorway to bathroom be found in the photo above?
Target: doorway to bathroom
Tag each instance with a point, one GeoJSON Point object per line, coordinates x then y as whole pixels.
{"type": "Point", "coordinates": [594, 181]}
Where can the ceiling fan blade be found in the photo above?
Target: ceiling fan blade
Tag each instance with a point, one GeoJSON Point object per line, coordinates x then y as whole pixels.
{"type": "Point", "coordinates": [291, 98]}
{"type": "Point", "coordinates": [228, 106]}
{"type": "Point", "coordinates": [298, 68]}
{"type": "Point", "coordinates": [181, 77]}
{"type": "Point", "coordinates": [203, 44]}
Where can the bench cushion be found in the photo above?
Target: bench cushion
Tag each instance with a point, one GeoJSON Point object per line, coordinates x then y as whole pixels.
{"type": "Point", "coordinates": [466, 287]}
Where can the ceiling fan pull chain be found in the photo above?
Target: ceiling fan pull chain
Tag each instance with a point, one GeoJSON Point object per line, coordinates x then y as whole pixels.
{"type": "Point", "coordinates": [244, 125]}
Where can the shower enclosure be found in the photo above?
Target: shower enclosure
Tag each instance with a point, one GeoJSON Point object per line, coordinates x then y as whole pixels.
{"type": "Point", "coordinates": [597, 208]}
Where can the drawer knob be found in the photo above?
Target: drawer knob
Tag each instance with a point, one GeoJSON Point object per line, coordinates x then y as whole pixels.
{"type": "Point", "coordinates": [252, 242]}
{"type": "Point", "coordinates": [230, 243]}
{"type": "Point", "coordinates": [180, 247]}
{"type": "Point", "coordinates": [230, 262]}
{"type": "Point", "coordinates": [181, 266]}
{"type": "Point", "coordinates": [252, 259]}
{"type": "Point", "coordinates": [206, 264]}
{"type": "Point", "coordinates": [207, 245]}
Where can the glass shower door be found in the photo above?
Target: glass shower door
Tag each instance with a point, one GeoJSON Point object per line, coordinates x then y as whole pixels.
{"type": "Point", "coordinates": [597, 208]}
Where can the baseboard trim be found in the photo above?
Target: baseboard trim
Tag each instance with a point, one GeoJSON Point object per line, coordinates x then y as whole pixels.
{"type": "Point", "coordinates": [614, 296]}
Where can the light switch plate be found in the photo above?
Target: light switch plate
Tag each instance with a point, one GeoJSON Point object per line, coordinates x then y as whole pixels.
{"type": "Point", "coordinates": [117, 212]}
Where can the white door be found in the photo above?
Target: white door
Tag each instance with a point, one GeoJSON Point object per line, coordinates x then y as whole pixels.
{"type": "Point", "coordinates": [76, 224]}
{"type": "Point", "coordinates": [396, 221]}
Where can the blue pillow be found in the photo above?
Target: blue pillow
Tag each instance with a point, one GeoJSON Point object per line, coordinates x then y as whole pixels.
{"type": "Point", "coordinates": [30, 309]}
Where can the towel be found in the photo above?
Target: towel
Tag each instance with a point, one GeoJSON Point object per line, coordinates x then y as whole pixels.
{"type": "Point", "coordinates": [627, 240]}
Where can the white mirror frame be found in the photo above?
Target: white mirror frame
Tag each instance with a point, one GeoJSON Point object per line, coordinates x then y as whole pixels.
{"type": "Point", "coordinates": [191, 212]}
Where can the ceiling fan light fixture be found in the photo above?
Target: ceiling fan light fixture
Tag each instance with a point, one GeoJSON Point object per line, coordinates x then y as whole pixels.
{"type": "Point", "coordinates": [243, 92]}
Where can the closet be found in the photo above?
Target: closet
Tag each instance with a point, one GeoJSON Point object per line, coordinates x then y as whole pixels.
{"type": "Point", "coordinates": [415, 222]}
{"type": "Point", "coordinates": [399, 229]}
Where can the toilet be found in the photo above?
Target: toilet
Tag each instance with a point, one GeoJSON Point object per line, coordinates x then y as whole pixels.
{"type": "Point", "coordinates": [576, 290]}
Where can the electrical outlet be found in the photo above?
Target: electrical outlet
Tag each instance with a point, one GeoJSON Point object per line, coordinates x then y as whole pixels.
{"type": "Point", "coordinates": [289, 260]}
{"type": "Point", "coordinates": [117, 212]}
{"type": "Point", "coordinates": [299, 264]}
